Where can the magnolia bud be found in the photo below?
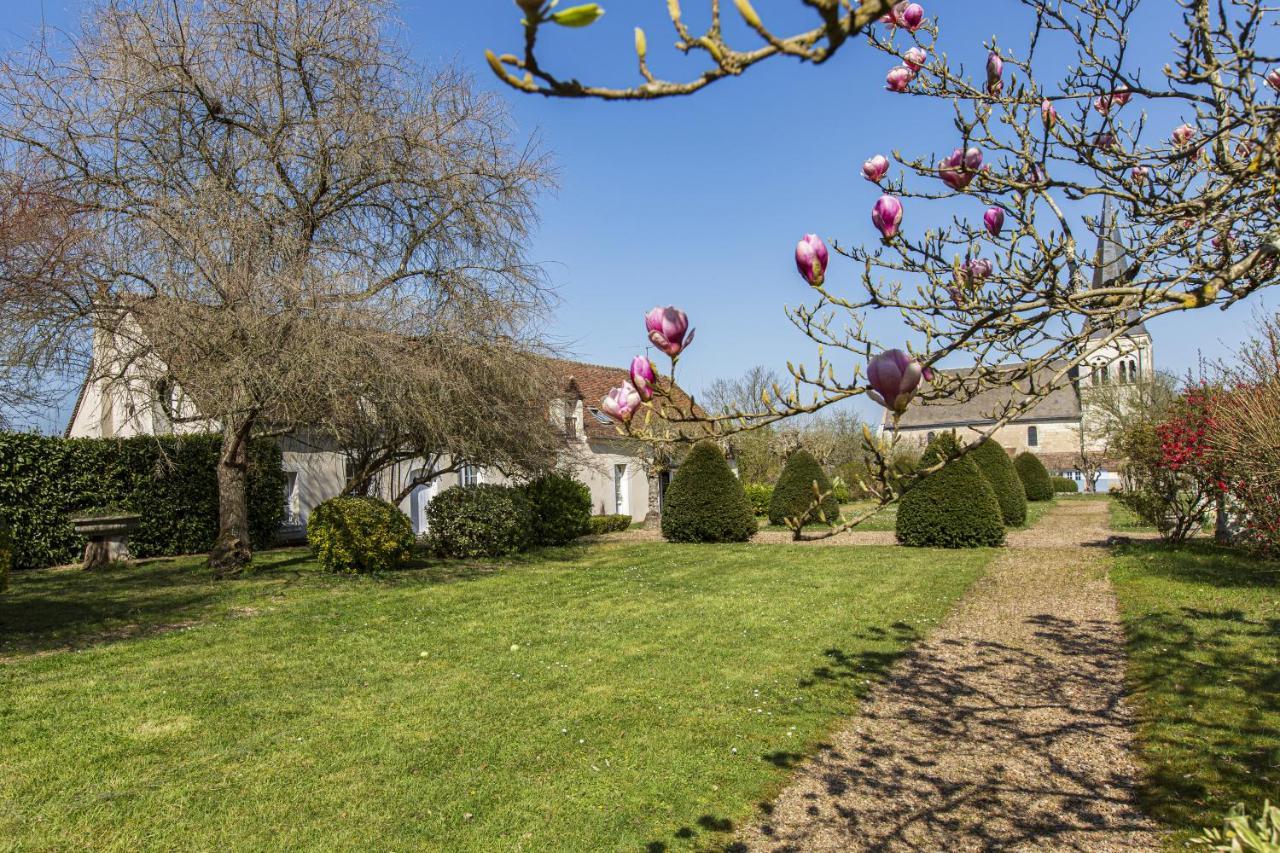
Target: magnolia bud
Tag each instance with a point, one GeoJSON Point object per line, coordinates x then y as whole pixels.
{"type": "Point", "coordinates": [578, 16]}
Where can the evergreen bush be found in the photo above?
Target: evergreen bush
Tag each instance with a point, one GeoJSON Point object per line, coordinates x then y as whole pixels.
{"type": "Point", "coordinates": [6, 554]}
{"type": "Point", "coordinates": [485, 520]}
{"type": "Point", "coordinates": [561, 509]}
{"type": "Point", "coordinates": [954, 507]}
{"type": "Point", "coordinates": [1035, 477]}
{"type": "Point", "coordinates": [359, 534]}
{"type": "Point", "coordinates": [996, 466]}
{"type": "Point", "coordinates": [759, 494]}
{"type": "Point", "coordinates": [793, 494]}
{"type": "Point", "coordinates": [1064, 484]}
{"type": "Point", "coordinates": [705, 501]}
{"type": "Point", "coordinates": [609, 523]}
{"type": "Point", "coordinates": [171, 481]}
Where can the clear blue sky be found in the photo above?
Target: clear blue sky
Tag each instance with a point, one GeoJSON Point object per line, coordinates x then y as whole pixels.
{"type": "Point", "coordinates": [699, 201]}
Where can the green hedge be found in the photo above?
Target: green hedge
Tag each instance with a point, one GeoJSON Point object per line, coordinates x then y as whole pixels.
{"type": "Point", "coordinates": [705, 501]}
{"type": "Point", "coordinates": [6, 554]}
{"type": "Point", "coordinates": [1035, 477]}
{"type": "Point", "coordinates": [609, 523]}
{"type": "Point", "coordinates": [954, 507]}
{"type": "Point", "coordinates": [485, 520]}
{"type": "Point", "coordinates": [1064, 484]}
{"type": "Point", "coordinates": [793, 494]}
{"type": "Point", "coordinates": [760, 494]}
{"type": "Point", "coordinates": [994, 464]}
{"type": "Point", "coordinates": [170, 481]}
{"type": "Point", "coordinates": [359, 534]}
{"type": "Point", "coordinates": [561, 509]}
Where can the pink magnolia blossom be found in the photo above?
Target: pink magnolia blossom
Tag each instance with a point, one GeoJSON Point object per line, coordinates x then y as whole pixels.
{"type": "Point", "coordinates": [993, 219]}
{"type": "Point", "coordinates": [1048, 114]}
{"type": "Point", "coordinates": [899, 78]}
{"type": "Point", "coordinates": [995, 68]}
{"type": "Point", "coordinates": [1183, 134]}
{"type": "Point", "coordinates": [915, 58]}
{"type": "Point", "coordinates": [811, 259]}
{"type": "Point", "coordinates": [1106, 141]}
{"type": "Point", "coordinates": [621, 402]}
{"type": "Point", "coordinates": [1273, 78]}
{"type": "Point", "coordinates": [667, 327]}
{"type": "Point", "coordinates": [978, 270]}
{"type": "Point", "coordinates": [1121, 96]}
{"type": "Point", "coordinates": [1140, 174]}
{"type": "Point", "coordinates": [875, 168]}
{"type": "Point", "coordinates": [894, 377]}
{"type": "Point", "coordinates": [887, 215]}
{"type": "Point", "coordinates": [912, 15]}
{"type": "Point", "coordinates": [958, 170]}
{"type": "Point", "coordinates": [643, 376]}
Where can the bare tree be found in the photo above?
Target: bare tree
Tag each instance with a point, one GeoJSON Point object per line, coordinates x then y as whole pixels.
{"type": "Point", "coordinates": [264, 178]}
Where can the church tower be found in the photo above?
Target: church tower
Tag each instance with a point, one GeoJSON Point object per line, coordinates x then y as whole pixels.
{"type": "Point", "coordinates": [1128, 359]}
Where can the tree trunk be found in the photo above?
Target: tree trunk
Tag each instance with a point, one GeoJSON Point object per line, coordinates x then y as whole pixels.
{"type": "Point", "coordinates": [653, 518]}
{"type": "Point", "coordinates": [233, 550]}
{"type": "Point", "coordinates": [1222, 525]}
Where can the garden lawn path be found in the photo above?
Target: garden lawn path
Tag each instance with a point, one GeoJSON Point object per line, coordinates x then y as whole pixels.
{"type": "Point", "coordinates": [1007, 729]}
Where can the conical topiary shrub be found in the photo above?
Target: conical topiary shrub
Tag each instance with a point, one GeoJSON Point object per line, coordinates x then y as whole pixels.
{"type": "Point", "coordinates": [997, 467]}
{"type": "Point", "coordinates": [705, 501]}
{"type": "Point", "coordinates": [954, 507]}
{"type": "Point", "coordinates": [793, 493]}
{"type": "Point", "coordinates": [1035, 477]}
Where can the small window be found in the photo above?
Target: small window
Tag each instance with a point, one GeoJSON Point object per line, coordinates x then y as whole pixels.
{"type": "Point", "coordinates": [1104, 374]}
{"type": "Point", "coordinates": [930, 436]}
{"type": "Point", "coordinates": [470, 475]}
{"type": "Point", "coordinates": [1033, 436]}
{"type": "Point", "coordinates": [291, 498]}
{"type": "Point", "coordinates": [600, 416]}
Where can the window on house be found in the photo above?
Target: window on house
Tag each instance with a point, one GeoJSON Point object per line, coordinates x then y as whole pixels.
{"type": "Point", "coordinates": [620, 490]}
{"type": "Point", "coordinates": [600, 416]}
{"type": "Point", "coordinates": [292, 503]}
{"type": "Point", "coordinates": [1033, 436]}
{"type": "Point", "coordinates": [470, 475]}
{"type": "Point", "coordinates": [930, 436]}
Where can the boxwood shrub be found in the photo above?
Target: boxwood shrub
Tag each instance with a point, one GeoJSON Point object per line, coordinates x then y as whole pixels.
{"type": "Point", "coordinates": [6, 554]}
{"type": "Point", "coordinates": [760, 494]}
{"type": "Point", "coordinates": [359, 534]}
{"type": "Point", "coordinates": [609, 523]}
{"type": "Point", "coordinates": [954, 507]}
{"type": "Point", "coordinates": [1064, 484]}
{"type": "Point", "coordinates": [1035, 477]}
{"type": "Point", "coordinates": [705, 501]}
{"type": "Point", "coordinates": [994, 464]}
{"type": "Point", "coordinates": [484, 520]}
{"type": "Point", "coordinates": [561, 508]}
{"type": "Point", "coordinates": [171, 481]}
{"type": "Point", "coordinates": [793, 493]}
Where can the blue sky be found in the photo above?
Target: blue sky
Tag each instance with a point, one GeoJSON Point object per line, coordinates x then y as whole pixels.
{"type": "Point", "coordinates": [699, 201]}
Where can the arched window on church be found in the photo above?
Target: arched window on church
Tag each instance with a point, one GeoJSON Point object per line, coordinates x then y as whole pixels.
{"type": "Point", "coordinates": [1103, 374]}
{"type": "Point", "coordinates": [1033, 436]}
{"type": "Point", "coordinates": [1133, 372]}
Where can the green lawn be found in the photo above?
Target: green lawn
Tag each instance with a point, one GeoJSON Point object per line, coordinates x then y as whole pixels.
{"type": "Point", "coordinates": [1123, 518]}
{"type": "Point", "coordinates": [1203, 626]}
{"type": "Point", "coordinates": [887, 518]}
{"type": "Point", "coordinates": [614, 696]}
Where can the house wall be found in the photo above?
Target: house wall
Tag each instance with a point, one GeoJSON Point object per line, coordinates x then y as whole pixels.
{"type": "Point", "coordinates": [1053, 436]}
{"type": "Point", "coordinates": [596, 470]}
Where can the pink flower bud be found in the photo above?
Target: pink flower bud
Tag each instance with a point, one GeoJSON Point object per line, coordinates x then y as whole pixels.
{"type": "Point", "coordinates": [958, 170]}
{"type": "Point", "coordinates": [887, 216]}
{"type": "Point", "coordinates": [978, 270]}
{"type": "Point", "coordinates": [1102, 104]}
{"type": "Point", "coordinates": [894, 377]}
{"type": "Point", "coordinates": [643, 376]}
{"type": "Point", "coordinates": [1273, 79]}
{"type": "Point", "coordinates": [621, 402]}
{"type": "Point", "coordinates": [912, 16]}
{"type": "Point", "coordinates": [1183, 134]}
{"type": "Point", "coordinates": [1140, 174]}
{"type": "Point", "coordinates": [811, 259]}
{"type": "Point", "coordinates": [875, 168]}
{"type": "Point", "coordinates": [995, 67]}
{"type": "Point", "coordinates": [899, 79]}
{"type": "Point", "coordinates": [915, 58]}
{"type": "Point", "coordinates": [1121, 96]}
{"type": "Point", "coordinates": [1048, 114]}
{"type": "Point", "coordinates": [1106, 141]}
{"type": "Point", "coordinates": [667, 327]}
{"type": "Point", "coordinates": [993, 219]}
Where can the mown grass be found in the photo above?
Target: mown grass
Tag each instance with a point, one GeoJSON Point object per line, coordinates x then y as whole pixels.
{"type": "Point", "coordinates": [1203, 627]}
{"type": "Point", "coordinates": [887, 518]}
{"type": "Point", "coordinates": [616, 696]}
{"type": "Point", "coordinates": [1122, 518]}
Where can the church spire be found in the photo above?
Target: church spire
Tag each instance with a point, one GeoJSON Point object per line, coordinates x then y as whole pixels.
{"type": "Point", "coordinates": [1109, 262]}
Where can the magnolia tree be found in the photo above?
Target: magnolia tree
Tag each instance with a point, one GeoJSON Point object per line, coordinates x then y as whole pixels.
{"type": "Point", "coordinates": [1008, 283]}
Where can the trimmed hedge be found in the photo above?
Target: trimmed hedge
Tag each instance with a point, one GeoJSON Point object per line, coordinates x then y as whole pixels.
{"type": "Point", "coordinates": [6, 555]}
{"type": "Point", "coordinates": [954, 507]}
{"type": "Point", "coordinates": [793, 494]}
{"type": "Point", "coordinates": [359, 534]}
{"type": "Point", "coordinates": [1064, 484]}
{"type": "Point", "coordinates": [760, 494]}
{"type": "Point", "coordinates": [561, 509]}
{"type": "Point", "coordinates": [609, 523]}
{"type": "Point", "coordinates": [1035, 477]}
{"type": "Point", "coordinates": [171, 481]}
{"type": "Point", "coordinates": [705, 501]}
{"type": "Point", "coordinates": [484, 520]}
{"type": "Point", "coordinates": [996, 466]}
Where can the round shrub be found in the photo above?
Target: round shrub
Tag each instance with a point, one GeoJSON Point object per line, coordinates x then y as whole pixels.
{"type": "Point", "coordinates": [1035, 477]}
{"type": "Point", "coordinates": [759, 494]}
{"type": "Point", "coordinates": [997, 467]}
{"type": "Point", "coordinates": [561, 509]}
{"type": "Point", "coordinates": [793, 494]}
{"type": "Point", "coordinates": [954, 507]}
{"type": "Point", "coordinates": [705, 501]}
{"type": "Point", "coordinates": [1064, 484]}
{"type": "Point", "coordinates": [485, 520]}
{"type": "Point", "coordinates": [358, 534]}
{"type": "Point", "coordinates": [601, 524]}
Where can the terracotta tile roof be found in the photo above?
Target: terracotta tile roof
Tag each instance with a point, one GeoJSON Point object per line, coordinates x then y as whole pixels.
{"type": "Point", "coordinates": [590, 383]}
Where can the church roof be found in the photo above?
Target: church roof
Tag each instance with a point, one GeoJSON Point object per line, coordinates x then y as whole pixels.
{"type": "Point", "coordinates": [990, 403]}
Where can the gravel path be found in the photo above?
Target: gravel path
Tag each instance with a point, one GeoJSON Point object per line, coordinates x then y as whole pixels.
{"type": "Point", "coordinates": [1007, 729]}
